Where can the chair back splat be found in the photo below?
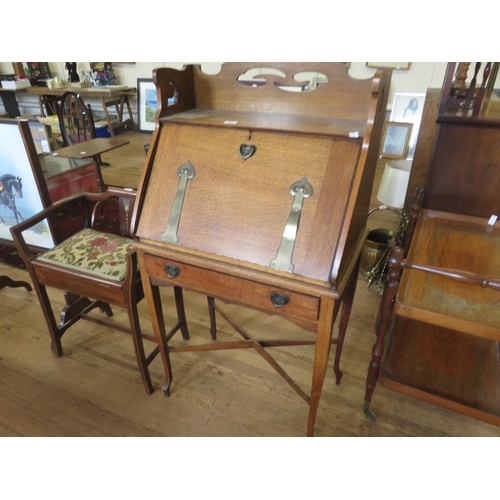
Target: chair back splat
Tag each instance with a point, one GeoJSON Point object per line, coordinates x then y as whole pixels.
{"type": "Point", "coordinates": [76, 121]}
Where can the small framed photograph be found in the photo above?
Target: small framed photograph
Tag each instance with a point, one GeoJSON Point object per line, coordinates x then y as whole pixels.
{"type": "Point", "coordinates": [147, 104]}
{"type": "Point", "coordinates": [23, 191]}
{"type": "Point", "coordinates": [395, 140]}
{"type": "Point", "coordinates": [407, 107]}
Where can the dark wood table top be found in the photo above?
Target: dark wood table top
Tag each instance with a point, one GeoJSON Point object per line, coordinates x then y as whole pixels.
{"type": "Point", "coordinates": [91, 148]}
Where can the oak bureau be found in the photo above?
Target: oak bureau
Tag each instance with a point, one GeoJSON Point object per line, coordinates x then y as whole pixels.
{"type": "Point", "coordinates": [256, 191]}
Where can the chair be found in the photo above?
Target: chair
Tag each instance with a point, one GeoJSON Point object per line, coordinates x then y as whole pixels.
{"type": "Point", "coordinates": [76, 121]}
{"type": "Point", "coordinates": [93, 264]}
{"type": "Point", "coordinates": [463, 98]}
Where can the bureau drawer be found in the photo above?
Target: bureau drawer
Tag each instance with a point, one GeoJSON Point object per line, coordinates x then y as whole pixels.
{"type": "Point", "coordinates": [233, 289]}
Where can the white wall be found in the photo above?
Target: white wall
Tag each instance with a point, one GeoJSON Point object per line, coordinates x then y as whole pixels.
{"type": "Point", "coordinates": [419, 77]}
{"type": "Point", "coordinates": [416, 80]}
{"type": "Point", "coordinates": [126, 74]}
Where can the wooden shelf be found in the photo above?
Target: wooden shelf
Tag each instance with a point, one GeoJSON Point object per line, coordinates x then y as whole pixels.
{"type": "Point", "coordinates": [457, 371]}
{"type": "Point", "coordinates": [454, 242]}
{"type": "Point", "coordinates": [444, 342]}
{"type": "Point", "coordinates": [327, 126]}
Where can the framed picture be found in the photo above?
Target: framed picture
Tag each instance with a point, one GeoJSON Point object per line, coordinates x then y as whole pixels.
{"type": "Point", "coordinates": [409, 108]}
{"type": "Point", "coordinates": [147, 104]}
{"type": "Point", "coordinates": [39, 70]}
{"type": "Point", "coordinates": [103, 73]}
{"type": "Point", "coordinates": [395, 140]}
{"type": "Point", "coordinates": [23, 191]}
{"type": "Point", "coordinates": [393, 65]}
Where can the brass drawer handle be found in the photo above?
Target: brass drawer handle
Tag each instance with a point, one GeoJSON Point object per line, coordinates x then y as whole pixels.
{"type": "Point", "coordinates": [172, 271]}
{"type": "Point", "coordinates": [279, 300]}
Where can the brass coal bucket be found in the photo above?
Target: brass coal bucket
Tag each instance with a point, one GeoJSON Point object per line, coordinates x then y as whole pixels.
{"type": "Point", "coordinates": [374, 248]}
{"type": "Point", "coordinates": [377, 242]}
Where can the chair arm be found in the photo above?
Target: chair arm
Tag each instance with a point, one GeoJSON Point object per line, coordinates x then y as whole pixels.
{"type": "Point", "coordinates": [17, 230]}
{"type": "Point", "coordinates": [111, 191]}
{"type": "Point", "coordinates": [99, 199]}
{"type": "Point", "coordinates": [44, 214]}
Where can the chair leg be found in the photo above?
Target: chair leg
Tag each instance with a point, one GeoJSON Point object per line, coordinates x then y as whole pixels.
{"type": "Point", "coordinates": [55, 332]}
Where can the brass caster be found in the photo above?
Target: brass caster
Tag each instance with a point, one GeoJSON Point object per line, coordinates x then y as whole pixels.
{"type": "Point", "coordinates": [368, 413]}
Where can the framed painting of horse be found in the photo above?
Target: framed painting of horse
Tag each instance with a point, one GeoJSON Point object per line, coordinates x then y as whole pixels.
{"type": "Point", "coordinates": [23, 191]}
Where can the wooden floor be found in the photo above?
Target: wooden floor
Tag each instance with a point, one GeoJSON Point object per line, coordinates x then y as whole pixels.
{"type": "Point", "coordinates": [94, 389]}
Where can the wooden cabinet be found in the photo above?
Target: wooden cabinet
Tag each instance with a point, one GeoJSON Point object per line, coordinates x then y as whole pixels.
{"type": "Point", "coordinates": [440, 304]}
{"type": "Point", "coordinates": [256, 195]}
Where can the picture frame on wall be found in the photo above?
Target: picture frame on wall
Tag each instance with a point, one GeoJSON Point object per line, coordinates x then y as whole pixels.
{"type": "Point", "coordinates": [395, 140]}
{"type": "Point", "coordinates": [147, 104]}
{"type": "Point", "coordinates": [39, 70]}
{"type": "Point", "coordinates": [409, 108]}
{"type": "Point", "coordinates": [23, 192]}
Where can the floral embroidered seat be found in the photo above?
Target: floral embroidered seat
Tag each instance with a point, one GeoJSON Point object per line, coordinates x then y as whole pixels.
{"type": "Point", "coordinates": [94, 252]}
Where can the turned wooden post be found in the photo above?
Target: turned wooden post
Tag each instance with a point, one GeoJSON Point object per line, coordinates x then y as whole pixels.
{"type": "Point", "coordinates": [415, 212]}
{"type": "Point", "coordinates": [385, 312]}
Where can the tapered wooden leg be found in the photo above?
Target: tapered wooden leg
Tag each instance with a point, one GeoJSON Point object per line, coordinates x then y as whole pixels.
{"type": "Point", "coordinates": [211, 314]}
{"type": "Point", "coordinates": [328, 311]}
{"type": "Point", "coordinates": [344, 320]}
{"type": "Point", "coordinates": [181, 313]}
{"type": "Point", "coordinates": [55, 332]}
{"type": "Point", "coordinates": [153, 301]}
{"type": "Point", "coordinates": [135, 329]}
{"type": "Point", "coordinates": [156, 312]}
{"type": "Point", "coordinates": [132, 293]}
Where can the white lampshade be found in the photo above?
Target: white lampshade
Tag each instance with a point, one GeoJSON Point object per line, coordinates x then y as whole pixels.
{"type": "Point", "coordinates": [392, 190]}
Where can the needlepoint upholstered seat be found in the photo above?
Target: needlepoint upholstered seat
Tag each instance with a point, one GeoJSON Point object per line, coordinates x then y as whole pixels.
{"type": "Point", "coordinates": [94, 252]}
